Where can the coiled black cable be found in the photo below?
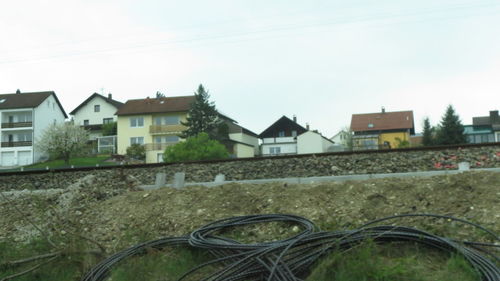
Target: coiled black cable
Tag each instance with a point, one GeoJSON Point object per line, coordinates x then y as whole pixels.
{"type": "Point", "coordinates": [291, 259]}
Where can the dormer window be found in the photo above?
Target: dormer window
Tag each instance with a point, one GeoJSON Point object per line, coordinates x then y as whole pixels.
{"type": "Point", "coordinates": [2, 100]}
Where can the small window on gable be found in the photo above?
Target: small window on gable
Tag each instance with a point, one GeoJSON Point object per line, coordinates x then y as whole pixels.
{"type": "Point", "coordinates": [97, 108]}
{"type": "Point", "coordinates": [281, 134]}
{"type": "Point", "coordinates": [294, 133]}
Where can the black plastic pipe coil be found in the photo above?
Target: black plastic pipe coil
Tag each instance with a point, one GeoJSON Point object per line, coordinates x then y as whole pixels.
{"type": "Point", "coordinates": [292, 258]}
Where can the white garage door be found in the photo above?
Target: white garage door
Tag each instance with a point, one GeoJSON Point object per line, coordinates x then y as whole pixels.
{"type": "Point", "coordinates": [24, 157]}
{"type": "Point", "coordinates": [7, 158]}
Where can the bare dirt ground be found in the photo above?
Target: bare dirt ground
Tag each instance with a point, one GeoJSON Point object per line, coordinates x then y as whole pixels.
{"type": "Point", "coordinates": [120, 215]}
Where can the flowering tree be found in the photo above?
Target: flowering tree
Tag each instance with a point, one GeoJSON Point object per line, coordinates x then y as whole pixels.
{"type": "Point", "coordinates": [63, 141]}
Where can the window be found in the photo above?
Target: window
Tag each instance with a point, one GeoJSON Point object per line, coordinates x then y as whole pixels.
{"type": "Point", "coordinates": [136, 122]}
{"type": "Point", "coordinates": [136, 140]}
{"type": "Point", "coordinates": [25, 137]}
{"type": "Point", "coordinates": [86, 122]}
{"type": "Point", "coordinates": [2, 100]}
{"type": "Point", "coordinates": [275, 150]}
{"type": "Point", "coordinates": [171, 139]}
{"type": "Point", "coordinates": [294, 133]}
{"type": "Point", "coordinates": [172, 120]}
{"type": "Point", "coordinates": [281, 134]}
{"type": "Point", "coordinates": [107, 120]}
{"type": "Point", "coordinates": [370, 125]}
{"type": "Point", "coordinates": [159, 157]}
{"type": "Point", "coordinates": [97, 108]}
{"type": "Point", "coordinates": [158, 121]}
{"type": "Point", "coordinates": [157, 139]}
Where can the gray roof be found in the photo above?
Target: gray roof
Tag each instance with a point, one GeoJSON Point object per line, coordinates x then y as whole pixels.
{"type": "Point", "coordinates": [27, 100]}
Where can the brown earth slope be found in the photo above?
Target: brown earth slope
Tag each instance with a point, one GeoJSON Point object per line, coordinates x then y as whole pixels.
{"type": "Point", "coordinates": [121, 216]}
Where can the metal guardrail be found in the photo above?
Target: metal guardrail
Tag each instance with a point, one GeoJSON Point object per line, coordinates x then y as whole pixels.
{"type": "Point", "coordinates": [343, 153]}
{"type": "Point", "coordinates": [17, 125]}
{"type": "Point", "coordinates": [16, 143]}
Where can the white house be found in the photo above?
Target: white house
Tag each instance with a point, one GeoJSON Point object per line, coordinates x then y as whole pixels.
{"type": "Point", "coordinates": [95, 111]}
{"type": "Point", "coordinates": [281, 137]}
{"type": "Point", "coordinates": [24, 117]}
{"type": "Point", "coordinates": [313, 142]}
{"type": "Point", "coordinates": [286, 136]}
{"type": "Point", "coordinates": [341, 140]}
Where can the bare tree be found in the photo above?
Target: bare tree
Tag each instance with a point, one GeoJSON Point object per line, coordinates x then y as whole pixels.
{"type": "Point", "coordinates": [63, 141]}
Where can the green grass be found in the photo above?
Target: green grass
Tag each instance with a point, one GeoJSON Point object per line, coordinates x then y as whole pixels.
{"type": "Point", "coordinates": [165, 265]}
{"type": "Point", "coordinates": [365, 262]}
{"type": "Point", "coordinates": [69, 267]}
{"type": "Point", "coordinates": [393, 262]}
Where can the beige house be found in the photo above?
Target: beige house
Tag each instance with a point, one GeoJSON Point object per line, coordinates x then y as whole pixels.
{"type": "Point", "coordinates": [156, 123]}
{"type": "Point", "coordinates": [152, 122]}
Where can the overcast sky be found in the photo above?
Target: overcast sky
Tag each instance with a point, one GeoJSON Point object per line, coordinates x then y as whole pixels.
{"type": "Point", "coordinates": [261, 59]}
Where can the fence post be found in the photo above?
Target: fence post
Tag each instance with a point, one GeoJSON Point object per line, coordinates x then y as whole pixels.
{"type": "Point", "coordinates": [179, 180]}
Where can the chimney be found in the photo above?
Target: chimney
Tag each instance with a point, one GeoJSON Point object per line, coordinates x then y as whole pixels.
{"type": "Point", "coordinates": [110, 96]}
{"type": "Point", "coordinates": [295, 118]}
{"type": "Point", "coordinates": [18, 91]}
{"type": "Point", "coordinates": [307, 126]}
{"type": "Point", "coordinates": [494, 118]}
{"type": "Point", "coordinates": [383, 109]}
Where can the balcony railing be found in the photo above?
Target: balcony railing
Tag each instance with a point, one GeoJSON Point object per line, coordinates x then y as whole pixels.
{"type": "Point", "coordinates": [162, 129]}
{"type": "Point", "coordinates": [17, 125]}
{"type": "Point", "coordinates": [16, 143]}
{"type": "Point", "coordinates": [158, 146]}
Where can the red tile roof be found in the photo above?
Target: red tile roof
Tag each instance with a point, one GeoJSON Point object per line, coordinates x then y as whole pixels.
{"type": "Point", "coordinates": [156, 105]}
{"type": "Point", "coordinates": [382, 121]}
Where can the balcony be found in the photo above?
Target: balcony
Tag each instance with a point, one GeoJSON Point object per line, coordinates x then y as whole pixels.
{"type": "Point", "coordinates": [17, 125]}
{"type": "Point", "coordinates": [166, 129]}
{"type": "Point", "coordinates": [158, 146]}
{"type": "Point", "coordinates": [16, 143]}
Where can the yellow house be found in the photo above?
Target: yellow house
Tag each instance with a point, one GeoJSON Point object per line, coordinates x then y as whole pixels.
{"type": "Point", "coordinates": [152, 122]}
{"type": "Point", "coordinates": [157, 123]}
{"type": "Point", "coordinates": [382, 130]}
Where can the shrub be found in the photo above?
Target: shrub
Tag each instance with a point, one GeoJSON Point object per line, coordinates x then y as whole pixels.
{"type": "Point", "coordinates": [196, 148]}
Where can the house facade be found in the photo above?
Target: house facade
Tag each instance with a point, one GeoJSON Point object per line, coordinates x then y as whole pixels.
{"type": "Point", "coordinates": [286, 137]}
{"type": "Point", "coordinates": [96, 111]}
{"type": "Point", "coordinates": [152, 122]}
{"type": "Point", "coordinates": [242, 142]}
{"type": "Point", "coordinates": [484, 129]}
{"type": "Point", "coordinates": [281, 137]}
{"type": "Point", "coordinates": [156, 123]}
{"type": "Point", "coordinates": [342, 141]}
{"type": "Point", "coordinates": [313, 142]}
{"type": "Point", "coordinates": [382, 130]}
{"type": "Point", "coordinates": [24, 117]}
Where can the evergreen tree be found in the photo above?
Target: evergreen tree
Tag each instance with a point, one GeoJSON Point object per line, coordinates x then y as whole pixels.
{"type": "Point", "coordinates": [451, 130]}
{"type": "Point", "coordinates": [428, 138]}
{"type": "Point", "coordinates": [203, 117]}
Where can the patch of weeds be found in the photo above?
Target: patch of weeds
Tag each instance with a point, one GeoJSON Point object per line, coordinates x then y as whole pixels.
{"type": "Point", "coordinates": [369, 261]}
{"type": "Point", "coordinates": [69, 266]}
{"type": "Point", "coordinates": [261, 232]}
{"type": "Point", "coordinates": [165, 265]}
